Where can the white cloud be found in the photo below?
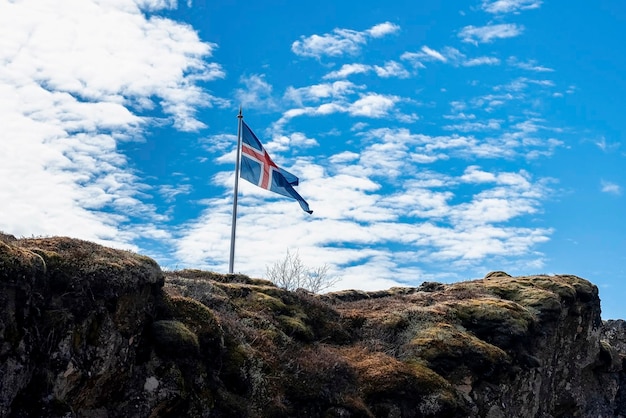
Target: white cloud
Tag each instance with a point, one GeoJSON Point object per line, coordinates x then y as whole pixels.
{"type": "Point", "coordinates": [391, 69]}
{"type": "Point", "coordinates": [257, 93]}
{"type": "Point", "coordinates": [413, 58]}
{"type": "Point", "coordinates": [489, 102]}
{"type": "Point", "coordinates": [336, 90]}
{"type": "Point", "coordinates": [373, 105]}
{"type": "Point", "coordinates": [488, 33]}
{"type": "Point", "coordinates": [610, 187]}
{"type": "Point", "coordinates": [431, 53]}
{"type": "Point", "coordinates": [427, 54]}
{"type": "Point", "coordinates": [344, 157]}
{"type": "Point", "coordinates": [606, 146]}
{"type": "Point", "coordinates": [170, 192]}
{"type": "Point", "coordinates": [370, 105]}
{"type": "Point", "coordinates": [481, 61]}
{"type": "Point", "coordinates": [154, 5]}
{"type": "Point", "coordinates": [522, 83]}
{"type": "Point", "coordinates": [530, 65]}
{"type": "Point", "coordinates": [505, 143]}
{"type": "Point", "coordinates": [383, 29]}
{"type": "Point", "coordinates": [488, 125]}
{"type": "Point", "coordinates": [347, 70]}
{"type": "Point", "coordinates": [340, 42]}
{"type": "Point", "coordinates": [76, 80]}
{"type": "Point", "coordinates": [460, 116]}
{"type": "Point", "coordinates": [54, 51]}
{"type": "Point", "coordinates": [520, 180]}
{"type": "Point", "coordinates": [509, 6]}
{"type": "Point", "coordinates": [291, 141]}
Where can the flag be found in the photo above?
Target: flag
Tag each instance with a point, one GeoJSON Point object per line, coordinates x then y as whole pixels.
{"type": "Point", "coordinates": [258, 168]}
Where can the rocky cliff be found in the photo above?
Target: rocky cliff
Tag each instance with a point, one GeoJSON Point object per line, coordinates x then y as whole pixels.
{"type": "Point", "coordinates": [88, 331]}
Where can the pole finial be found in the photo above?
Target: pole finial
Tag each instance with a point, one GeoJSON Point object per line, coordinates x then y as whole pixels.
{"type": "Point", "coordinates": [240, 115]}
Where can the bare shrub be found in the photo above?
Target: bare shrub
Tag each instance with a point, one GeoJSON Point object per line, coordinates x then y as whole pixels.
{"type": "Point", "coordinates": [291, 274]}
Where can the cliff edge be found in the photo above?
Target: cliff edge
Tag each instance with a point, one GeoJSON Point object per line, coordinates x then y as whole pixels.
{"type": "Point", "coordinates": [88, 331]}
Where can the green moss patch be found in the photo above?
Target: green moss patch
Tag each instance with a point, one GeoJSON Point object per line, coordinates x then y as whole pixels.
{"type": "Point", "coordinates": [194, 314]}
{"type": "Point", "coordinates": [172, 339]}
{"type": "Point", "coordinates": [448, 350]}
{"type": "Point", "coordinates": [556, 285]}
{"type": "Point", "coordinates": [295, 326]}
{"type": "Point", "coordinates": [264, 301]}
{"type": "Point", "coordinates": [201, 321]}
{"type": "Point", "coordinates": [386, 380]}
{"type": "Point", "coordinates": [528, 293]}
{"type": "Point", "coordinates": [499, 322]}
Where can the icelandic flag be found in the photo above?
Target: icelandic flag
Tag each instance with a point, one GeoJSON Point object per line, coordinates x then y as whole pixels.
{"type": "Point", "coordinates": [258, 168]}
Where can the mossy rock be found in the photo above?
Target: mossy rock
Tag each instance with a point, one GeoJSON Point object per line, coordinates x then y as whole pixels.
{"type": "Point", "coordinates": [197, 274]}
{"type": "Point", "coordinates": [563, 288]}
{"type": "Point", "coordinates": [494, 274]}
{"type": "Point", "coordinates": [585, 290]}
{"type": "Point", "coordinates": [201, 321]}
{"type": "Point", "coordinates": [292, 312]}
{"type": "Point", "coordinates": [609, 359]}
{"type": "Point", "coordinates": [545, 295]}
{"type": "Point", "coordinates": [410, 385]}
{"type": "Point", "coordinates": [394, 323]}
{"type": "Point", "coordinates": [319, 375]}
{"type": "Point", "coordinates": [7, 238]}
{"type": "Point", "coordinates": [259, 299]}
{"type": "Point", "coordinates": [528, 293]}
{"type": "Point", "coordinates": [448, 350]}
{"type": "Point", "coordinates": [194, 314]}
{"type": "Point", "coordinates": [350, 295]}
{"type": "Point", "coordinates": [19, 265]}
{"type": "Point", "coordinates": [263, 301]}
{"type": "Point", "coordinates": [497, 321]}
{"type": "Point", "coordinates": [172, 339]}
{"type": "Point", "coordinates": [296, 326]}
{"type": "Point", "coordinates": [233, 370]}
{"type": "Point", "coordinates": [287, 296]}
{"type": "Point", "coordinates": [320, 316]}
{"type": "Point", "coordinates": [106, 271]}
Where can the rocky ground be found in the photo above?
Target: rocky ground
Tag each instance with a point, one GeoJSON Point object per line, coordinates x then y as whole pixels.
{"type": "Point", "coordinates": [88, 331]}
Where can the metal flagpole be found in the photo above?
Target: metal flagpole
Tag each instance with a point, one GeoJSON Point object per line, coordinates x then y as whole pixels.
{"type": "Point", "coordinates": [231, 263]}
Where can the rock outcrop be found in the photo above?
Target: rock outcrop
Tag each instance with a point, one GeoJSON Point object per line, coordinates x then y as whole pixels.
{"type": "Point", "coordinates": [88, 331]}
{"type": "Point", "coordinates": [72, 325]}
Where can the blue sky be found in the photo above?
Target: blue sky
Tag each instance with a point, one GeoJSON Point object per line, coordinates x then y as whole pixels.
{"type": "Point", "coordinates": [434, 142]}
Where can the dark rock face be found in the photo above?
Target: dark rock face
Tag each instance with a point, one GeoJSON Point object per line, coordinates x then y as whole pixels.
{"type": "Point", "coordinates": [87, 331]}
{"type": "Point", "coordinates": [614, 332]}
{"type": "Point", "coordinates": [71, 325]}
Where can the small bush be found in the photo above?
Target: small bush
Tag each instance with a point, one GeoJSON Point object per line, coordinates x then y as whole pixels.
{"type": "Point", "coordinates": [291, 274]}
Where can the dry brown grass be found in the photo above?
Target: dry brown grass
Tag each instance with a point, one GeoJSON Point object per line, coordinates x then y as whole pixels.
{"type": "Point", "coordinates": [72, 263]}
{"type": "Point", "coordinates": [384, 379]}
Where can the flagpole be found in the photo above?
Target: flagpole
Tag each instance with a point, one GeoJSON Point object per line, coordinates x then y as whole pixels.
{"type": "Point", "coordinates": [231, 262]}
